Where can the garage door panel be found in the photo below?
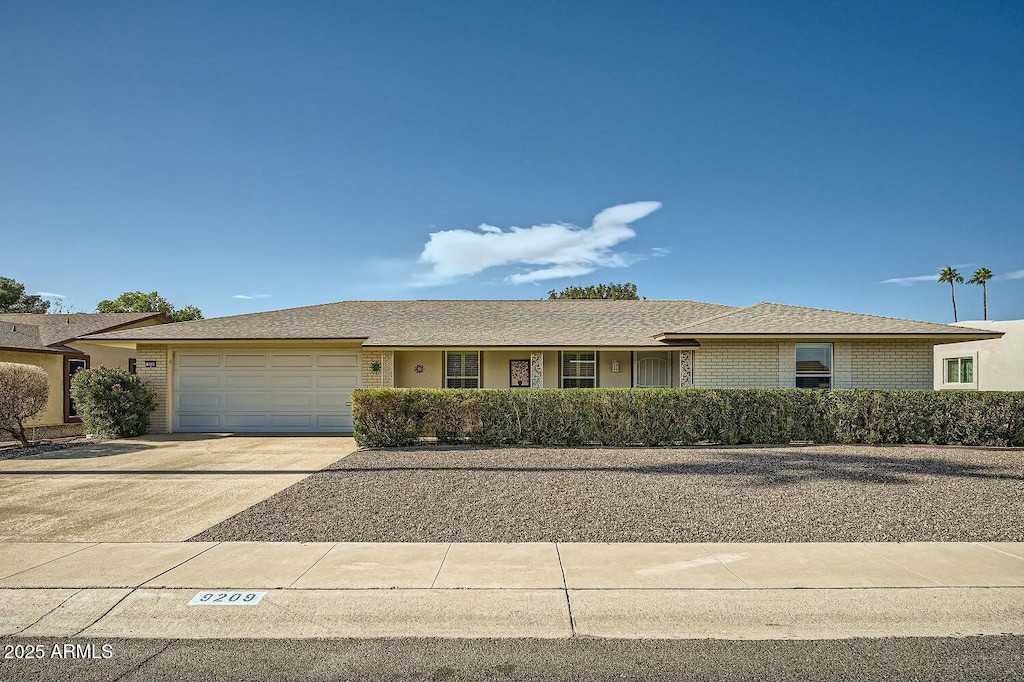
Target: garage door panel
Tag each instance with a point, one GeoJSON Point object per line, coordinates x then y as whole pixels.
{"type": "Point", "coordinates": [287, 380]}
{"type": "Point", "coordinates": [245, 360]}
{"type": "Point", "coordinates": [337, 360]}
{"type": "Point", "coordinates": [193, 402]}
{"type": "Point", "coordinates": [199, 421]}
{"type": "Point", "coordinates": [199, 360]}
{"type": "Point", "coordinates": [291, 401]}
{"type": "Point", "coordinates": [291, 360]}
{"type": "Point", "coordinates": [335, 381]}
{"type": "Point", "coordinates": [250, 391]}
{"type": "Point", "coordinates": [247, 380]}
{"type": "Point", "coordinates": [192, 380]}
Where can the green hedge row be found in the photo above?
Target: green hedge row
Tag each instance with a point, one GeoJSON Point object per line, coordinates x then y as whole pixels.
{"type": "Point", "coordinates": [394, 417]}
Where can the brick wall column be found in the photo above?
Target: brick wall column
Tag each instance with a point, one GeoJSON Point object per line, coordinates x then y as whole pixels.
{"type": "Point", "coordinates": [158, 379]}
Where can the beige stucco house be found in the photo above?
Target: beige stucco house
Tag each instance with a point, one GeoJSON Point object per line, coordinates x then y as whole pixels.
{"type": "Point", "coordinates": [294, 370]}
{"type": "Point", "coordinates": [983, 365]}
{"type": "Point", "coordinates": [52, 342]}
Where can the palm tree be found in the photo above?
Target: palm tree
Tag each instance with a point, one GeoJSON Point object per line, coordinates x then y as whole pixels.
{"type": "Point", "coordinates": [982, 276]}
{"type": "Point", "coordinates": [951, 275]}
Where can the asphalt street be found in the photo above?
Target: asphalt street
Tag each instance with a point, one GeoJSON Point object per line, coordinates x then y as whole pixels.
{"type": "Point", "coordinates": [906, 659]}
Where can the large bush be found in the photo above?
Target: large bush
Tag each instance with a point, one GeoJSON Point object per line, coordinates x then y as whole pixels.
{"type": "Point", "coordinates": [397, 417]}
{"type": "Point", "coordinates": [112, 402]}
{"type": "Point", "coordinates": [24, 390]}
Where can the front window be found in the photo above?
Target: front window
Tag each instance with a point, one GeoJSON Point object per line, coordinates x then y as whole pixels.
{"type": "Point", "coordinates": [960, 371]}
{"type": "Point", "coordinates": [462, 369]}
{"type": "Point", "coordinates": [579, 369]}
{"type": "Point", "coordinates": [652, 370]}
{"type": "Point", "coordinates": [814, 365]}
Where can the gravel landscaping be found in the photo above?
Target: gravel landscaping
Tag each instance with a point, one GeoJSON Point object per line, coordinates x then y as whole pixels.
{"type": "Point", "coordinates": [723, 494]}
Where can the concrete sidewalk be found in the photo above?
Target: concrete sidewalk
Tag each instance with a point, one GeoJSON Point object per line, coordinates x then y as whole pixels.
{"type": "Point", "coordinates": [544, 590]}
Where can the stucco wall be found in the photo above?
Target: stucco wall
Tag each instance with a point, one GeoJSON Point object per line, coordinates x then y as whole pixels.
{"type": "Point", "coordinates": [496, 367]}
{"type": "Point", "coordinates": [405, 368]}
{"type": "Point", "coordinates": [104, 356]}
{"type": "Point", "coordinates": [53, 365]}
{"type": "Point", "coordinates": [999, 363]}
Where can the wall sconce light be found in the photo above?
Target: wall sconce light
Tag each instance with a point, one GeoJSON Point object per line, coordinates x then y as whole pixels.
{"type": "Point", "coordinates": [615, 365]}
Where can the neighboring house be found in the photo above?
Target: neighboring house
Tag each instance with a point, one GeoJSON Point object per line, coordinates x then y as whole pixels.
{"type": "Point", "coordinates": [51, 342]}
{"type": "Point", "coordinates": [294, 370]}
{"type": "Point", "coordinates": [986, 365]}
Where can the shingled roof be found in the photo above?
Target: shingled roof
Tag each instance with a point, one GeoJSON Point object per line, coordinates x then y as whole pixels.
{"type": "Point", "coordinates": [26, 337]}
{"type": "Point", "coordinates": [57, 328]}
{"type": "Point", "coordinates": [774, 319]}
{"type": "Point", "coordinates": [529, 323]}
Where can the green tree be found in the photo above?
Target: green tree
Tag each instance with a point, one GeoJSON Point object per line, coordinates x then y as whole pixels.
{"type": "Point", "coordinates": [951, 275]}
{"type": "Point", "coordinates": [618, 292]}
{"type": "Point", "coordinates": [982, 276]}
{"type": "Point", "coordinates": [14, 300]}
{"type": "Point", "coordinates": [139, 302]}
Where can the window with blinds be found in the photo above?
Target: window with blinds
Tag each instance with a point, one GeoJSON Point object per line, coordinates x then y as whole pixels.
{"type": "Point", "coordinates": [462, 369]}
{"type": "Point", "coordinates": [579, 369]}
{"type": "Point", "coordinates": [814, 365]}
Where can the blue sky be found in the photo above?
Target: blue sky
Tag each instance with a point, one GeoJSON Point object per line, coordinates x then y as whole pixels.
{"type": "Point", "coordinates": [300, 153]}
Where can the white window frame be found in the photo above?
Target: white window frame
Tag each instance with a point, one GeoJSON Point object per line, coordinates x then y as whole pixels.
{"type": "Point", "coordinates": [664, 356]}
{"type": "Point", "coordinates": [561, 368]}
{"type": "Point", "coordinates": [464, 376]}
{"type": "Point", "coordinates": [817, 375]}
{"type": "Point", "coordinates": [973, 357]}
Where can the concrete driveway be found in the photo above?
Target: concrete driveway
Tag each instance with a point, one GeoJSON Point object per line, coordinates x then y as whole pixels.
{"type": "Point", "coordinates": [152, 489]}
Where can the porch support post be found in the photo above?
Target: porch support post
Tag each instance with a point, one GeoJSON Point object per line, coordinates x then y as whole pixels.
{"type": "Point", "coordinates": [536, 370]}
{"type": "Point", "coordinates": [387, 368]}
{"type": "Point", "coordinates": [686, 369]}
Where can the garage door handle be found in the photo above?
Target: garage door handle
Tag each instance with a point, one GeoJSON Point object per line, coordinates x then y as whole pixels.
{"type": "Point", "coordinates": [349, 403]}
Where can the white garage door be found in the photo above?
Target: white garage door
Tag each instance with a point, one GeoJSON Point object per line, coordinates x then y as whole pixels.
{"type": "Point", "coordinates": [279, 390]}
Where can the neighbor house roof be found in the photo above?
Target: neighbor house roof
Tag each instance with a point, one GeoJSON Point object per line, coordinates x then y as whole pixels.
{"type": "Point", "coordinates": [774, 319]}
{"type": "Point", "coordinates": [57, 328]}
{"type": "Point", "coordinates": [564, 323]}
{"type": "Point", "coordinates": [26, 338]}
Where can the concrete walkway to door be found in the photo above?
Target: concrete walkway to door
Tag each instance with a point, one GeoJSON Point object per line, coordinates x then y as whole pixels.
{"type": "Point", "coordinates": [154, 488]}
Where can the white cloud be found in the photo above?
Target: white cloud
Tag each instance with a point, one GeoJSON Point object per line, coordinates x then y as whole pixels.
{"type": "Point", "coordinates": [247, 297]}
{"type": "Point", "coordinates": [659, 251]}
{"type": "Point", "coordinates": [48, 294]}
{"type": "Point", "coordinates": [908, 281]}
{"type": "Point", "coordinates": [556, 249]}
{"type": "Point", "coordinates": [1016, 274]}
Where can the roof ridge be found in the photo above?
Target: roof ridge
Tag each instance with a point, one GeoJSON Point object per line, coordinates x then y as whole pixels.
{"type": "Point", "coordinates": [847, 312]}
{"type": "Point", "coordinates": [734, 311]}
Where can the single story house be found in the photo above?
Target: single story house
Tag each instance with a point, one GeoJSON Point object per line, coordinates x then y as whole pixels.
{"type": "Point", "coordinates": [295, 369]}
{"type": "Point", "coordinates": [984, 365]}
{"type": "Point", "coordinates": [51, 341]}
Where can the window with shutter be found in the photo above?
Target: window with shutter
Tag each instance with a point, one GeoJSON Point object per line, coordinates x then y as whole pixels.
{"type": "Point", "coordinates": [462, 369]}
{"type": "Point", "coordinates": [579, 369]}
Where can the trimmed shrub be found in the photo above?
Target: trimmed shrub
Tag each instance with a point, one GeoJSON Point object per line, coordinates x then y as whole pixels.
{"type": "Point", "coordinates": [392, 417]}
{"type": "Point", "coordinates": [112, 402]}
{"type": "Point", "coordinates": [24, 390]}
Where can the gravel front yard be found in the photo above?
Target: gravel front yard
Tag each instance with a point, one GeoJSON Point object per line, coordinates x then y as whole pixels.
{"type": "Point", "coordinates": [736, 494]}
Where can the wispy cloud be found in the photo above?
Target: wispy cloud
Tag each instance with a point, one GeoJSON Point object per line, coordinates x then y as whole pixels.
{"type": "Point", "coordinates": [49, 294]}
{"type": "Point", "coordinates": [1016, 274]}
{"type": "Point", "coordinates": [659, 251]}
{"type": "Point", "coordinates": [547, 251]}
{"type": "Point", "coordinates": [908, 281]}
{"type": "Point", "coordinates": [249, 297]}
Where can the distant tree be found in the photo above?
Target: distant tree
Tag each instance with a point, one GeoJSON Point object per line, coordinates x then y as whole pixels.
{"type": "Point", "coordinates": [139, 302]}
{"type": "Point", "coordinates": [951, 275]}
{"type": "Point", "coordinates": [14, 300]}
{"type": "Point", "coordinates": [24, 390]}
{"type": "Point", "coordinates": [618, 292]}
{"type": "Point", "coordinates": [982, 276]}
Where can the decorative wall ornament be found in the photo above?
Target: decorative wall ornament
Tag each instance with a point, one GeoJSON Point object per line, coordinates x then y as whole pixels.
{"type": "Point", "coordinates": [419, 369]}
{"type": "Point", "coordinates": [375, 367]}
{"type": "Point", "coordinates": [536, 370]}
{"type": "Point", "coordinates": [685, 369]}
{"type": "Point", "coordinates": [519, 373]}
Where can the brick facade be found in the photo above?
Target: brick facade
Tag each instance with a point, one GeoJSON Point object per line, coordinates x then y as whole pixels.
{"type": "Point", "coordinates": [869, 363]}
{"type": "Point", "coordinates": [158, 380]}
{"type": "Point", "coordinates": [384, 378]}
